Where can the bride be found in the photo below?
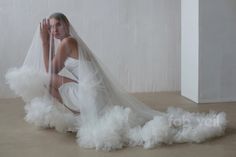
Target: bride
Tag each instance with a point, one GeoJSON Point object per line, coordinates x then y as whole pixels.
{"type": "Point", "coordinates": [66, 87]}
{"type": "Point", "coordinates": [58, 26]}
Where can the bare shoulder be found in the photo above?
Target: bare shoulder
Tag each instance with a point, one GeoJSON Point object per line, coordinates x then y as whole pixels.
{"type": "Point", "coordinates": [70, 45]}
{"type": "Point", "coordinates": [70, 41]}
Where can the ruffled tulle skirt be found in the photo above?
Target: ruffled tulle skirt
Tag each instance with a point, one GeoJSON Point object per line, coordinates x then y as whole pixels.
{"type": "Point", "coordinates": [113, 130]}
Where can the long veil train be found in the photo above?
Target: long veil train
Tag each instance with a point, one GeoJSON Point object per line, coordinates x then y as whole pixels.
{"type": "Point", "coordinates": [109, 117]}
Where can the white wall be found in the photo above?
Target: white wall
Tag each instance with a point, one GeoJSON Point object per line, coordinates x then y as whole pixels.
{"type": "Point", "coordinates": [138, 40]}
{"type": "Point", "coordinates": [217, 50]}
{"type": "Point", "coordinates": [190, 49]}
{"type": "Point", "coordinates": [208, 64]}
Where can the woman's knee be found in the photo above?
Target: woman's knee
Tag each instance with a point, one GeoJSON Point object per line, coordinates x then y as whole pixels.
{"type": "Point", "coordinates": [55, 81]}
{"type": "Point", "coordinates": [55, 93]}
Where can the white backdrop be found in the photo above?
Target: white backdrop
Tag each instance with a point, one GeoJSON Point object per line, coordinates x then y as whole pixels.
{"type": "Point", "coordinates": [217, 50]}
{"type": "Point", "coordinates": [208, 50]}
{"type": "Point", "coordinates": [147, 31]}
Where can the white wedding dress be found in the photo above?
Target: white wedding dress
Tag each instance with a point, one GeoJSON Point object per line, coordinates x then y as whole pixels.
{"type": "Point", "coordinates": [110, 118]}
{"type": "Point", "coordinates": [69, 91]}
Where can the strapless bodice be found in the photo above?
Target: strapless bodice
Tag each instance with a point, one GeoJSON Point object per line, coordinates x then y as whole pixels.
{"type": "Point", "coordinates": [72, 65]}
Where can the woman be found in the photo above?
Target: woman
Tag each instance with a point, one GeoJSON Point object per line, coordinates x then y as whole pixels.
{"type": "Point", "coordinates": [57, 25]}
{"type": "Point", "coordinates": [109, 117]}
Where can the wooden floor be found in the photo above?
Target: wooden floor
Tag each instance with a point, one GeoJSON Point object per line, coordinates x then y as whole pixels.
{"type": "Point", "coordinates": [20, 139]}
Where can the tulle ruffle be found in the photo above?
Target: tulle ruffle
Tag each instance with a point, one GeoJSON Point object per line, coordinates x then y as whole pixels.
{"type": "Point", "coordinates": [113, 130]}
{"type": "Point", "coordinates": [27, 83]}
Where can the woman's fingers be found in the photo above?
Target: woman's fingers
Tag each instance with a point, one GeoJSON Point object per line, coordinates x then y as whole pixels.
{"type": "Point", "coordinates": [48, 26]}
{"type": "Point", "coordinates": [48, 22]}
{"type": "Point", "coordinates": [44, 31]}
{"type": "Point", "coordinates": [44, 25]}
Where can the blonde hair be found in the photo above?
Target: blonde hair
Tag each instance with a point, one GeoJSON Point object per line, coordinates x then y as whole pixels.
{"type": "Point", "coordinates": [60, 16]}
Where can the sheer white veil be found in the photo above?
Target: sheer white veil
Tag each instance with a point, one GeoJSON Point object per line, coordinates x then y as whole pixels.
{"type": "Point", "coordinates": [99, 90]}
{"type": "Point", "coordinates": [109, 116]}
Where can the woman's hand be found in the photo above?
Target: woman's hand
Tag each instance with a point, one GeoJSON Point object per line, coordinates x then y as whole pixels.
{"type": "Point", "coordinates": [45, 37]}
{"type": "Point", "coordinates": [44, 31]}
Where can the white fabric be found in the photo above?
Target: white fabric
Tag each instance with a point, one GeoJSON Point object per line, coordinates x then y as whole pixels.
{"type": "Point", "coordinates": [69, 91]}
{"type": "Point", "coordinates": [110, 118]}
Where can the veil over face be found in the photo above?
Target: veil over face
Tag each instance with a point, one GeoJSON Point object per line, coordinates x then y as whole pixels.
{"type": "Point", "coordinates": [58, 28]}
{"type": "Point", "coordinates": [110, 118]}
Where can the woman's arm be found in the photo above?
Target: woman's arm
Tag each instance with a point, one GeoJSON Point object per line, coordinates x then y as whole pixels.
{"type": "Point", "coordinates": [45, 37]}
{"type": "Point", "coordinates": [60, 57]}
{"type": "Point", "coordinates": [64, 50]}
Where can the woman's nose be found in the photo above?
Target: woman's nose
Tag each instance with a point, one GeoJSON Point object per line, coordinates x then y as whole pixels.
{"type": "Point", "coordinates": [54, 29]}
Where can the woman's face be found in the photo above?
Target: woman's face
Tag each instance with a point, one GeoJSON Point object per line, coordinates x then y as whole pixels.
{"type": "Point", "coordinates": [58, 28]}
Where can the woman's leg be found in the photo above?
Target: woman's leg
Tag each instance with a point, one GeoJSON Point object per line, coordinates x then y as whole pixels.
{"type": "Point", "coordinates": [55, 83]}
{"type": "Point", "coordinates": [55, 93]}
{"type": "Point", "coordinates": [57, 80]}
